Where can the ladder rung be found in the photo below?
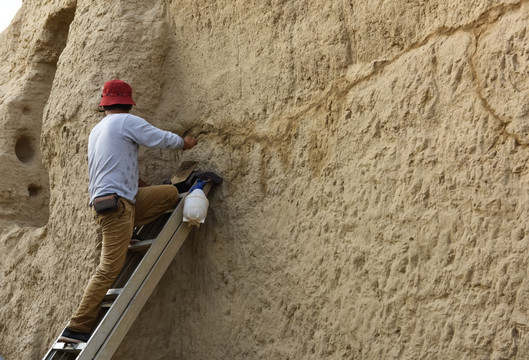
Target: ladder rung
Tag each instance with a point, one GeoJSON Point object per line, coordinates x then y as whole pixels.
{"type": "Point", "coordinates": [107, 304]}
{"type": "Point", "coordinates": [69, 347]}
{"type": "Point", "coordinates": [140, 246]}
{"type": "Point", "coordinates": [112, 294]}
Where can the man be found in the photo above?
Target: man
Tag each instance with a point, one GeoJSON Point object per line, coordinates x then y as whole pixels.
{"type": "Point", "coordinates": [117, 201]}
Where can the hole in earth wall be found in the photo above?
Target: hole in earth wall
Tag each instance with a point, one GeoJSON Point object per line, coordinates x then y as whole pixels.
{"type": "Point", "coordinates": [34, 190]}
{"type": "Point", "coordinates": [24, 149]}
{"type": "Point", "coordinates": [27, 195]}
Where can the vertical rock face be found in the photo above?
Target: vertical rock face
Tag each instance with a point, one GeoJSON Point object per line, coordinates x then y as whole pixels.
{"type": "Point", "coordinates": [375, 157]}
{"type": "Point", "coordinates": [29, 67]}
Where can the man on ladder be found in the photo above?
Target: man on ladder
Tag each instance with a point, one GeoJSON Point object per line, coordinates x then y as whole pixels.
{"type": "Point", "coordinates": [119, 204]}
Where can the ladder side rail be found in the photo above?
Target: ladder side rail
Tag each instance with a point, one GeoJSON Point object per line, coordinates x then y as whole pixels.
{"type": "Point", "coordinates": [145, 291]}
{"type": "Point", "coordinates": [105, 326]}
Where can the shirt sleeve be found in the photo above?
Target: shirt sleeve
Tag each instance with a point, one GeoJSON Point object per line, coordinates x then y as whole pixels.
{"type": "Point", "coordinates": [141, 132]}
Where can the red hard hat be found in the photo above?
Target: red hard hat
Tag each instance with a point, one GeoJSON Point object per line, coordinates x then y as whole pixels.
{"type": "Point", "coordinates": [116, 92]}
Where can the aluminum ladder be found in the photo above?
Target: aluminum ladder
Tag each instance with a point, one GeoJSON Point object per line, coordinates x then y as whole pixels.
{"type": "Point", "coordinates": [145, 265]}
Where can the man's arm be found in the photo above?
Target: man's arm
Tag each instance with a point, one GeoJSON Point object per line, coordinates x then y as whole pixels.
{"type": "Point", "coordinates": [141, 132]}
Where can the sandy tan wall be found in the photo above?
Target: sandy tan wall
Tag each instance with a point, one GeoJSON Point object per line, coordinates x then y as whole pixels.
{"type": "Point", "coordinates": [375, 158]}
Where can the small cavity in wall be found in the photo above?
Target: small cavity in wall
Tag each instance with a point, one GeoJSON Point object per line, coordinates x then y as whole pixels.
{"type": "Point", "coordinates": [25, 149]}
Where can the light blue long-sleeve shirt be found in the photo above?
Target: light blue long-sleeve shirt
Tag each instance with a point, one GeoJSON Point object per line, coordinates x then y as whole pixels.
{"type": "Point", "coordinates": [113, 153]}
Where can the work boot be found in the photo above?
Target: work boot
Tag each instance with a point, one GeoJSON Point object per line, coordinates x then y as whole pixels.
{"type": "Point", "coordinates": [70, 336]}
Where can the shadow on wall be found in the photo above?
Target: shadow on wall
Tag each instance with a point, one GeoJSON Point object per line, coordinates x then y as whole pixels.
{"type": "Point", "coordinates": [24, 196]}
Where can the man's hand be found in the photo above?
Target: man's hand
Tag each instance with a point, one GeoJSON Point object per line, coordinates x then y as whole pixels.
{"type": "Point", "coordinates": [189, 142]}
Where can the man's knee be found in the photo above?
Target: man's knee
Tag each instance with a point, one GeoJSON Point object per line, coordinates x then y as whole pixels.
{"type": "Point", "coordinates": [107, 275]}
{"type": "Point", "coordinates": [109, 272]}
{"type": "Point", "coordinates": [171, 193]}
{"type": "Point", "coordinates": [166, 197]}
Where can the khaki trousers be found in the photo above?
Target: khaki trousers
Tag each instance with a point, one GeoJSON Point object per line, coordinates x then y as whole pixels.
{"type": "Point", "coordinates": [117, 228]}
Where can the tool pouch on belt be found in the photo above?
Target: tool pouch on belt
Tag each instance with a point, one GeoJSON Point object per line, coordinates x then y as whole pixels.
{"type": "Point", "coordinates": [106, 203]}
